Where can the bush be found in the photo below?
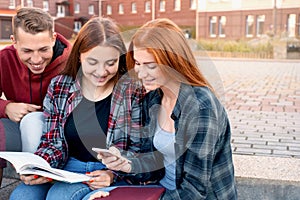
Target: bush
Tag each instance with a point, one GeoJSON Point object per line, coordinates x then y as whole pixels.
{"type": "Point", "coordinates": [235, 46]}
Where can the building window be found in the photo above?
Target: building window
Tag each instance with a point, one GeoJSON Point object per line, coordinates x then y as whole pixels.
{"type": "Point", "coordinates": [193, 4]}
{"type": "Point", "coordinates": [29, 3]}
{"type": "Point", "coordinates": [133, 8]}
{"type": "Point", "coordinates": [60, 11]}
{"type": "Point", "coordinates": [177, 5]}
{"type": "Point", "coordinates": [260, 25]}
{"type": "Point", "coordinates": [77, 8]}
{"type": "Point", "coordinates": [162, 5]}
{"type": "Point", "coordinates": [108, 10]}
{"type": "Point", "coordinates": [249, 25]}
{"type": "Point", "coordinates": [12, 4]}
{"type": "Point", "coordinates": [291, 25]}
{"type": "Point", "coordinates": [222, 24]}
{"type": "Point", "coordinates": [299, 25]}
{"type": "Point", "coordinates": [77, 26]}
{"type": "Point", "coordinates": [213, 26]}
{"type": "Point", "coordinates": [91, 10]}
{"type": "Point", "coordinates": [121, 9]}
{"type": "Point", "coordinates": [147, 6]}
{"type": "Point", "coordinates": [46, 5]}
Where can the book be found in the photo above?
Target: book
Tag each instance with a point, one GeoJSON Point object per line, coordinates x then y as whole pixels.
{"type": "Point", "coordinates": [26, 163]}
{"type": "Point", "coordinates": [148, 192]}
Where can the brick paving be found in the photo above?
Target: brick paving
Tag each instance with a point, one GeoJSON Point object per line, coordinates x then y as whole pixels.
{"type": "Point", "coordinates": [263, 103]}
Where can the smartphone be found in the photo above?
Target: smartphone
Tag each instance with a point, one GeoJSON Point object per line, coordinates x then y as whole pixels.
{"type": "Point", "coordinates": [108, 153]}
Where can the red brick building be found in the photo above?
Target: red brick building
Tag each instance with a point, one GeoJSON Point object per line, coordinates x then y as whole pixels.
{"type": "Point", "coordinates": [136, 13]}
{"type": "Point", "coordinates": [208, 19]}
{"type": "Point", "coordinates": [230, 19]}
{"type": "Point", "coordinates": [69, 15]}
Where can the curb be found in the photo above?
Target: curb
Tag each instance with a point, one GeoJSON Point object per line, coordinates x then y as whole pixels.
{"type": "Point", "coordinates": [262, 189]}
{"type": "Point", "coordinates": [267, 178]}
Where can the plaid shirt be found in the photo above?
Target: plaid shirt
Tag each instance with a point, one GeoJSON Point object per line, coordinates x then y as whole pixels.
{"type": "Point", "coordinates": [62, 97]}
{"type": "Point", "coordinates": [124, 125]}
{"type": "Point", "coordinates": [204, 167]}
{"type": "Point", "coordinates": [64, 94]}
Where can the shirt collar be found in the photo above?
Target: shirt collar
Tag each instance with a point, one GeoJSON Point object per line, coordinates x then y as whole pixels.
{"type": "Point", "coordinates": [185, 92]}
{"type": "Point", "coordinates": [75, 87]}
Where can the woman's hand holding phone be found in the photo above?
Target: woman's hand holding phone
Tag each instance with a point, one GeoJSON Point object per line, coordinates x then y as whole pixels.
{"type": "Point", "coordinates": [113, 160]}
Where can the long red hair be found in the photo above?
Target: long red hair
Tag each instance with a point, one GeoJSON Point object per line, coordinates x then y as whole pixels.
{"type": "Point", "coordinates": [166, 41]}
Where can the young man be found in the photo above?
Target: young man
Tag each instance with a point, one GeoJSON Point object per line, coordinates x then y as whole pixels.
{"type": "Point", "coordinates": [36, 55]}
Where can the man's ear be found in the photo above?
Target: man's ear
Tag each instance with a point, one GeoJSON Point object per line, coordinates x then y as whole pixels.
{"type": "Point", "coordinates": [13, 40]}
{"type": "Point", "coordinates": [54, 36]}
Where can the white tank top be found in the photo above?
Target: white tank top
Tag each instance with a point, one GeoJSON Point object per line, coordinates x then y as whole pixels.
{"type": "Point", "coordinates": [164, 143]}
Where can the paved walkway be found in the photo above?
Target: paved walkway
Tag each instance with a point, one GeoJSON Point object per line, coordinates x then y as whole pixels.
{"type": "Point", "coordinates": [263, 102]}
{"type": "Point", "coordinates": [262, 98]}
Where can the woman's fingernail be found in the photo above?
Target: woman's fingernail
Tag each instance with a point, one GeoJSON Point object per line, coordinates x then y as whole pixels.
{"type": "Point", "coordinates": [49, 179]}
{"type": "Point", "coordinates": [35, 176]}
{"type": "Point", "coordinates": [87, 172]}
{"type": "Point", "coordinates": [91, 181]}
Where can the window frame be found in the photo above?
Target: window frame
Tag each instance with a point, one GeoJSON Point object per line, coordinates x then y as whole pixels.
{"type": "Point", "coordinates": [77, 8]}
{"type": "Point", "coordinates": [249, 26]}
{"type": "Point", "coordinates": [12, 4]}
{"type": "Point", "coordinates": [147, 6]}
{"type": "Point", "coordinates": [222, 24]}
{"type": "Point", "coordinates": [213, 26]}
{"type": "Point", "coordinates": [133, 8]}
{"type": "Point", "coordinates": [162, 6]}
{"type": "Point", "coordinates": [121, 9]}
{"type": "Point", "coordinates": [91, 9]}
{"type": "Point", "coordinates": [108, 9]}
{"type": "Point", "coordinates": [260, 23]}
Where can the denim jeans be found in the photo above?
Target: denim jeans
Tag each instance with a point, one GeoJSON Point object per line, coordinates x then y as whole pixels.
{"type": "Point", "coordinates": [59, 190]}
{"type": "Point", "coordinates": [31, 128]}
{"type": "Point", "coordinates": [23, 136]}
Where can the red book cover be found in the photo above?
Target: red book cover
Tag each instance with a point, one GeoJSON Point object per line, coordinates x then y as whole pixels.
{"type": "Point", "coordinates": [134, 193]}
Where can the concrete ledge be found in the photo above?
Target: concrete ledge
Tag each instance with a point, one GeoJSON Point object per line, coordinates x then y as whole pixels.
{"type": "Point", "coordinates": [10, 172]}
{"type": "Point", "coordinates": [269, 168]}
{"type": "Point", "coordinates": [262, 189]}
{"type": "Point", "coordinates": [268, 178]}
{"type": "Point", "coordinates": [257, 177]}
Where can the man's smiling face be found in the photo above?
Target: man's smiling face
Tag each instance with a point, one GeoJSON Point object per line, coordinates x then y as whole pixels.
{"type": "Point", "coordinates": [34, 50]}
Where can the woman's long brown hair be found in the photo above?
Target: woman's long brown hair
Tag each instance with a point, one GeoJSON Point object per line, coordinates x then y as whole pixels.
{"type": "Point", "coordinates": [96, 32]}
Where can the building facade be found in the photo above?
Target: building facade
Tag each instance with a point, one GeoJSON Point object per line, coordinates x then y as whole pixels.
{"type": "Point", "coordinates": [239, 19]}
{"type": "Point", "coordinates": [210, 19]}
{"type": "Point", "coordinates": [203, 19]}
{"type": "Point", "coordinates": [69, 15]}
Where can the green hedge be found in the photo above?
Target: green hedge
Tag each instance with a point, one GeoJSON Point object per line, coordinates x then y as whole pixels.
{"type": "Point", "coordinates": [235, 46]}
